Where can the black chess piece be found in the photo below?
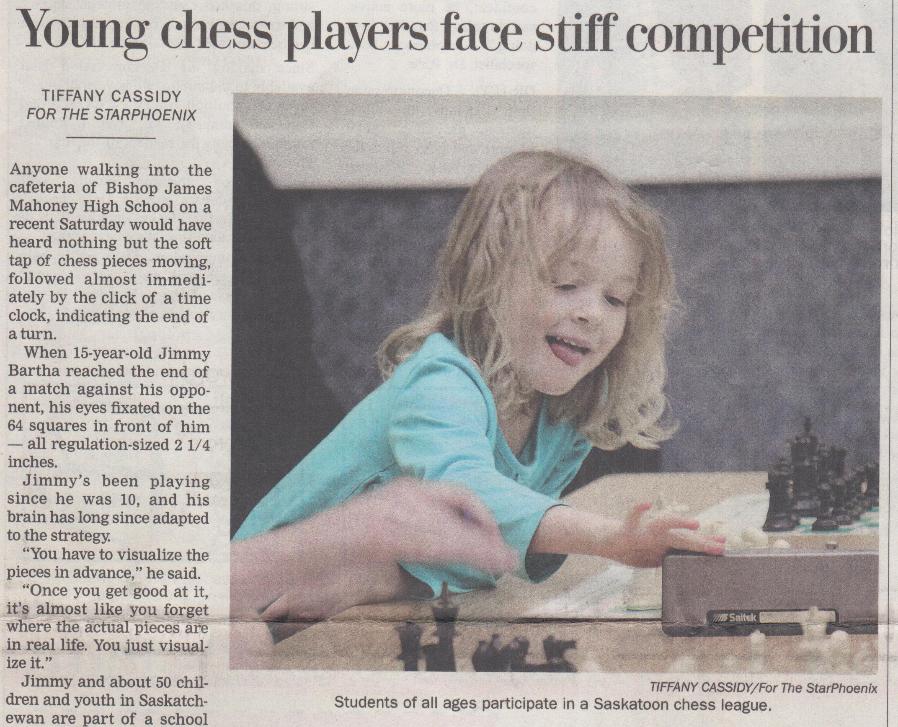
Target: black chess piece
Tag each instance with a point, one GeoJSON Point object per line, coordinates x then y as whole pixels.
{"type": "Point", "coordinates": [441, 655]}
{"type": "Point", "coordinates": [843, 511]}
{"type": "Point", "coordinates": [805, 445]}
{"type": "Point", "coordinates": [516, 654]}
{"type": "Point", "coordinates": [492, 658]}
{"type": "Point", "coordinates": [805, 472]}
{"type": "Point", "coordinates": [825, 520]}
{"type": "Point", "coordinates": [837, 461]}
{"type": "Point", "coordinates": [556, 656]}
{"type": "Point", "coordinates": [480, 659]}
{"type": "Point", "coordinates": [779, 511]}
{"type": "Point", "coordinates": [410, 643]}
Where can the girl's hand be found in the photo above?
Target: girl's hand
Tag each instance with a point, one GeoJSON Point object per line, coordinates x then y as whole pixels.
{"type": "Point", "coordinates": [642, 541]}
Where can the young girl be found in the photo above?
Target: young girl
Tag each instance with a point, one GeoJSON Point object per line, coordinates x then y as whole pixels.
{"type": "Point", "coordinates": [544, 336]}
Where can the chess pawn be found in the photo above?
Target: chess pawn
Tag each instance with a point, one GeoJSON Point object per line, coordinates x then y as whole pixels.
{"type": "Point", "coordinates": [841, 509]}
{"type": "Point", "coordinates": [825, 520]}
{"type": "Point", "coordinates": [488, 656]}
{"type": "Point", "coordinates": [754, 538]}
{"type": "Point", "coordinates": [480, 657]}
{"type": "Point", "coordinates": [839, 651]}
{"type": "Point", "coordinates": [779, 512]}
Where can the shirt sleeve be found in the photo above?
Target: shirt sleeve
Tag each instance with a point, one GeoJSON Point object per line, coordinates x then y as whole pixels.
{"type": "Point", "coordinates": [442, 427]}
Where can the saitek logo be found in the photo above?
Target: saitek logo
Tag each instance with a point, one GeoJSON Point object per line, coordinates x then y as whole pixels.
{"type": "Point", "coordinates": [734, 617]}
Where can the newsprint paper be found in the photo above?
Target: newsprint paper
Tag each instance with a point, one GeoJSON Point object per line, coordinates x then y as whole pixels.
{"type": "Point", "coordinates": [355, 349]}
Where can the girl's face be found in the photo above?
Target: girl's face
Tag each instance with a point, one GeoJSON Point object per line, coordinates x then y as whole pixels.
{"type": "Point", "coordinates": [559, 330]}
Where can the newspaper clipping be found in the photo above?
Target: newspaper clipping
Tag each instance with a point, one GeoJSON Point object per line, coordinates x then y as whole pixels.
{"type": "Point", "coordinates": [356, 349]}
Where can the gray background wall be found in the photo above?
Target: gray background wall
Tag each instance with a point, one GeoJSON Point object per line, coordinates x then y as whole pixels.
{"type": "Point", "coordinates": [780, 284]}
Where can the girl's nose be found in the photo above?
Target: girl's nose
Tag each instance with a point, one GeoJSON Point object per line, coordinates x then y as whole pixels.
{"type": "Point", "coordinates": [589, 309]}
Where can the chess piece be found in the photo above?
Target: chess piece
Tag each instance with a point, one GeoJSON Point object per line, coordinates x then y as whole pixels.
{"type": "Point", "coordinates": [757, 642]}
{"type": "Point", "coordinates": [556, 654]}
{"type": "Point", "coordinates": [493, 658]}
{"type": "Point", "coordinates": [682, 665]}
{"type": "Point", "coordinates": [864, 659]}
{"type": "Point", "coordinates": [779, 512]}
{"type": "Point", "coordinates": [825, 520]}
{"type": "Point", "coordinates": [805, 472]}
{"type": "Point", "coordinates": [410, 643]}
{"type": "Point", "coordinates": [514, 655]}
{"type": "Point", "coordinates": [812, 644]}
{"type": "Point", "coordinates": [832, 465]}
{"type": "Point", "coordinates": [480, 657]}
{"type": "Point", "coordinates": [754, 538]}
{"type": "Point", "coordinates": [731, 664]}
{"type": "Point", "coordinates": [441, 655]}
{"type": "Point", "coordinates": [843, 510]}
{"type": "Point", "coordinates": [838, 651]}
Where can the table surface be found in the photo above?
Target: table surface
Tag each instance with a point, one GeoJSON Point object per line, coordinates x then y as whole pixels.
{"type": "Point", "coordinates": [365, 637]}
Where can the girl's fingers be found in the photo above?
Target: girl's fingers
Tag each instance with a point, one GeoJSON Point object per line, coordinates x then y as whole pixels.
{"type": "Point", "coordinates": [670, 522]}
{"type": "Point", "coordinates": [635, 515]}
{"type": "Point", "coordinates": [696, 543]}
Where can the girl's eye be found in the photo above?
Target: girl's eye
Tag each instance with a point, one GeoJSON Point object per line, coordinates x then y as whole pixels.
{"type": "Point", "coordinates": [616, 302]}
{"type": "Point", "coordinates": [566, 287]}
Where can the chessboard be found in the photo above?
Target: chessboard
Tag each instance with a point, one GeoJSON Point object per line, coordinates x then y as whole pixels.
{"type": "Point", "coordinates": [595, 615]}
{"type": "Point", "coordinates": [623, 593]}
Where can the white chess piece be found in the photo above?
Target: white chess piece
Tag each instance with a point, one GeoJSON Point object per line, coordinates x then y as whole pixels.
{"type": "Point", "coordinates": [864, 659]}
{"type": "Point", "coordinates": [682, 665]}
{"type": "Point", "coordinates": [812, 643]}
{"type": "Point", "coordinates": [754, 538]}
{"type": "Point", "coordinates": [838, 651]}
{"type": "Point", "coordinates": [757, 644]}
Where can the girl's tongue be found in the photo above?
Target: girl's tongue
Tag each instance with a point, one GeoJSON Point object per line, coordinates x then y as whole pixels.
{"type": "Point", "coordinates": [566, 352]}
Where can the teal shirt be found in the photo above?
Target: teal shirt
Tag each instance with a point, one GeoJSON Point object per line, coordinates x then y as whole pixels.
{"type": "Point", "coordinates": [434, 418]}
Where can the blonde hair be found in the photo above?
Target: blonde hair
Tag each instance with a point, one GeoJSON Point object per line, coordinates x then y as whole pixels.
{"type": "Point", "coordinates": [623, 399]}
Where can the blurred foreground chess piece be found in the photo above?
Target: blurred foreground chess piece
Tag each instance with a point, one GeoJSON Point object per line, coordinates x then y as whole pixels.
{"type": "Point", "coordinates": [441, 655]}
{"type": "Point", "coordinates": [410, 644]}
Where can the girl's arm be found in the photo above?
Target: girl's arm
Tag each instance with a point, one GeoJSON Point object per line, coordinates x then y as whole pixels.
{"type": "Point", "coordinates": [637, 540]}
